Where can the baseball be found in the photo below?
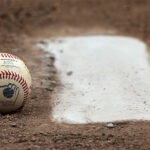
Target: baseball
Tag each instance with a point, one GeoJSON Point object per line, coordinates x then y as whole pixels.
{"type": "Point", "coordinates": [15, 83]}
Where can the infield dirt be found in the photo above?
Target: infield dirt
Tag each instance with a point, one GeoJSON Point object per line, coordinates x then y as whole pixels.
{"type": "Point", "coordinates": [22, 24]}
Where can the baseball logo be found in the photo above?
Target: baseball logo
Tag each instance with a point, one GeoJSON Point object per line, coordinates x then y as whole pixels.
{"type": "Point", "coordinates": [15, 83]}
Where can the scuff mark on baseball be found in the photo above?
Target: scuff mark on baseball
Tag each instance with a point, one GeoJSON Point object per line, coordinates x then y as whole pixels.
{"type": "Point", "coordinates": [15, 83]}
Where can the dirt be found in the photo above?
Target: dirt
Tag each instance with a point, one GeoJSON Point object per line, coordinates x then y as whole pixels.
{"type": "Point", "coordinates": [22, 23]}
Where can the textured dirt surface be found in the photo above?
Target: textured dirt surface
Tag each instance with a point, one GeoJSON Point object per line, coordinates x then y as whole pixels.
{"type": "Point", "coordinates": [22, 23]}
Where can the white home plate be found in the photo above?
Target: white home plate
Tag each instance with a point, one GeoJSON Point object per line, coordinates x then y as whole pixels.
{"type": "Point", "coordinates": [104, 78]}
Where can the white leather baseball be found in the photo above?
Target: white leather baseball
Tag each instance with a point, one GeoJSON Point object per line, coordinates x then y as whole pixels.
{"type": "Point", "coordinates": [15, 83]}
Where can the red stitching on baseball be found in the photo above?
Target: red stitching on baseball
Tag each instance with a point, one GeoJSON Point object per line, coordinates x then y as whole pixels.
{"type": "Point", "coordinates": [24, 84]}
{"type": "Point", "coordinates": [15, 76]}
{"type": "Point", "coordinates": [9, 75]}
{"type": "Point", "coordinates": [12, 75]}
{"type": "Point", "coordinates": [20, 79]}
{"type": "Point", "coordinates": [6, 74]}
{"type": "Point", "coordinates": [6, 55]}
{"type": "Point", "coordinates": [3, 74]}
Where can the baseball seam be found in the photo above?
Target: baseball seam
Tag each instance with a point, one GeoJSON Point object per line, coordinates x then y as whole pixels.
{"type": "Point", "coordinates": [16, 77]}
{"type": "Point", "coordinates": [6, 55]}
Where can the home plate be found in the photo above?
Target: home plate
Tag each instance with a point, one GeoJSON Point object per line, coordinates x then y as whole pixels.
{"type": "Point", "coordinates": [104, 78]}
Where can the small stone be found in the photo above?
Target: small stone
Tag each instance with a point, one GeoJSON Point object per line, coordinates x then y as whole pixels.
{"type": "Point", "coordinates": [13, 125]}
{"type": "Point", "coordinates": [69, 73]}
{"type": "Point", "coordinates": [49, 89]}
{"type": "Point", "coordinates": [53, 82]}
{"type": "Point", "coordinates": [52, 57]}
{"type": "Point", "coordinates": [110, 125]}
{"type": "Point", "coordinates": [103, 134]}
{"type": "Point", "coordinates": [43, 42]}
{"type": "Point", "coordinates": [33, 139]}
{"type": "Point", "coordinates": [61, 51]}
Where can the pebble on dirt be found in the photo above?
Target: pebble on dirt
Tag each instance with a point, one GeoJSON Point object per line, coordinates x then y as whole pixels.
{"type": "Point", "coordinates": [49, 89]}
{"type": "Point", "coordinates": [13, 125]}
{"type": "Point", "coordinates": [110, 125]}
